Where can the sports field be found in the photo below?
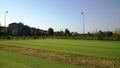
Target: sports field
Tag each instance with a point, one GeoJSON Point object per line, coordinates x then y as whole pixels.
{"type": "Point", "coordinates": [100, 49]}
{"type": "Point", "coordinates": [104, 49]}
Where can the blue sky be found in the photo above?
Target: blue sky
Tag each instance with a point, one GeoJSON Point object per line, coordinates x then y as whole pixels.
{"type": "Point", "coordinates": [60, 14]}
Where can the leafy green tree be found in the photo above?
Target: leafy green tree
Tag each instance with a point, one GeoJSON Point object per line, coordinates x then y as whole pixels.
{"type": "Point", "coordinates": [108, 33]}
{"type": "Point", "coordinates": [50, 31]}
{"type": "Point", "coordinates": [62, 33]}
{"type": "Point", "coordinates": [4, 31]}
{"type": "Point", "coordinates": [99, 35]}
{"type": "Point", "coordinates": [67, 32]}
{"type": "Point", "coordinates": [116, 36]}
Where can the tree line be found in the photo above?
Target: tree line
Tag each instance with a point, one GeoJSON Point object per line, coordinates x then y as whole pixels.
{"type": "Point", "coordinates": [21, 30]}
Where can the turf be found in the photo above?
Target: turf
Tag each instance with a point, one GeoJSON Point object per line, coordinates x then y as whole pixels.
{"type": "Point", "coordinates": [13, 60]}
{"type": "Point", "coordinates": [104, 49]}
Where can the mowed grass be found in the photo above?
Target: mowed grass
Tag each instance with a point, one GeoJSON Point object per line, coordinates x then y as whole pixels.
{"type": "Point", "coordinates": [14, 60]}
{"type": "Point", "coordinates": [103, 49]}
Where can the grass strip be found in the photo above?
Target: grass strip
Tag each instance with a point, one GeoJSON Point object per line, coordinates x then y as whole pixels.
{"type": "Point", "coordinates": [87, 61]}
{"type": "Point", "coordinates": [15, 60]}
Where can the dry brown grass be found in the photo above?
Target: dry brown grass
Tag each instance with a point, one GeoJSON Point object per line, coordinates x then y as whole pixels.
{"type": "Point", "coordinates": [87, 61]}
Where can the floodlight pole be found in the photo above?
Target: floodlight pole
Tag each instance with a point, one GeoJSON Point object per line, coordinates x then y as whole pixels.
{"type": "Point", "coordinates": [83, 22]}
{"type": "Point", "coordinates": [5, 18]}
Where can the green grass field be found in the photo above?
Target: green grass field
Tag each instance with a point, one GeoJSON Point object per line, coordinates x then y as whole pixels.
{"type": "Point", "coordinates": [14, 60]}
{"type": "Point", "coordinates": [104, 49]}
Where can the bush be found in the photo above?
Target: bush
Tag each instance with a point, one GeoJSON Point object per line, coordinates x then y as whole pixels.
{"type": "Point", "coordinates": [116, 36]}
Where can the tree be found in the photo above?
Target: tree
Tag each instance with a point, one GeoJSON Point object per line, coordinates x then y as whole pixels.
{"type": "Point", "coordinates": [117, 31]}
{"type": "Point", "coordinates": [50, 31]}
{"type": "Point", "coordinates": [108, 33]}
{"type": "Point", "coordinates": [116, 36]}
{"type": "Point", "coordinates": [89, 33]}
{"type": "Point", "coordinates": [67, 32]}
{"type": "Point", "coordinates": [99, 35]}
{"type": "Point", "coordinates": [62, 33]}
{"type": "Point", "coordinates": [4, 31]}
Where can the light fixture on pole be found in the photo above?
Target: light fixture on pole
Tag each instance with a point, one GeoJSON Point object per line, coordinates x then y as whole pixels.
{"type": "Point", "coordinates": [83, 22]}
{"type": "Point", "coordinates": [5, 18]}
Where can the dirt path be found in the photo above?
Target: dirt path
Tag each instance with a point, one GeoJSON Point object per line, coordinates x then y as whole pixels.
{"type": "Point", "coordinates": [87, 61]}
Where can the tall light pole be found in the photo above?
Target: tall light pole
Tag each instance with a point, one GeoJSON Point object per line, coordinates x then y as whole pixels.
{"type": "Point", "coordinates": [83, 22]}
{"type": "Point", "coordinates": [5, 18]}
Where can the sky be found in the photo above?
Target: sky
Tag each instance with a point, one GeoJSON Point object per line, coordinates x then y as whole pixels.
{"type": "Point", "coordinates": [61, 14]}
